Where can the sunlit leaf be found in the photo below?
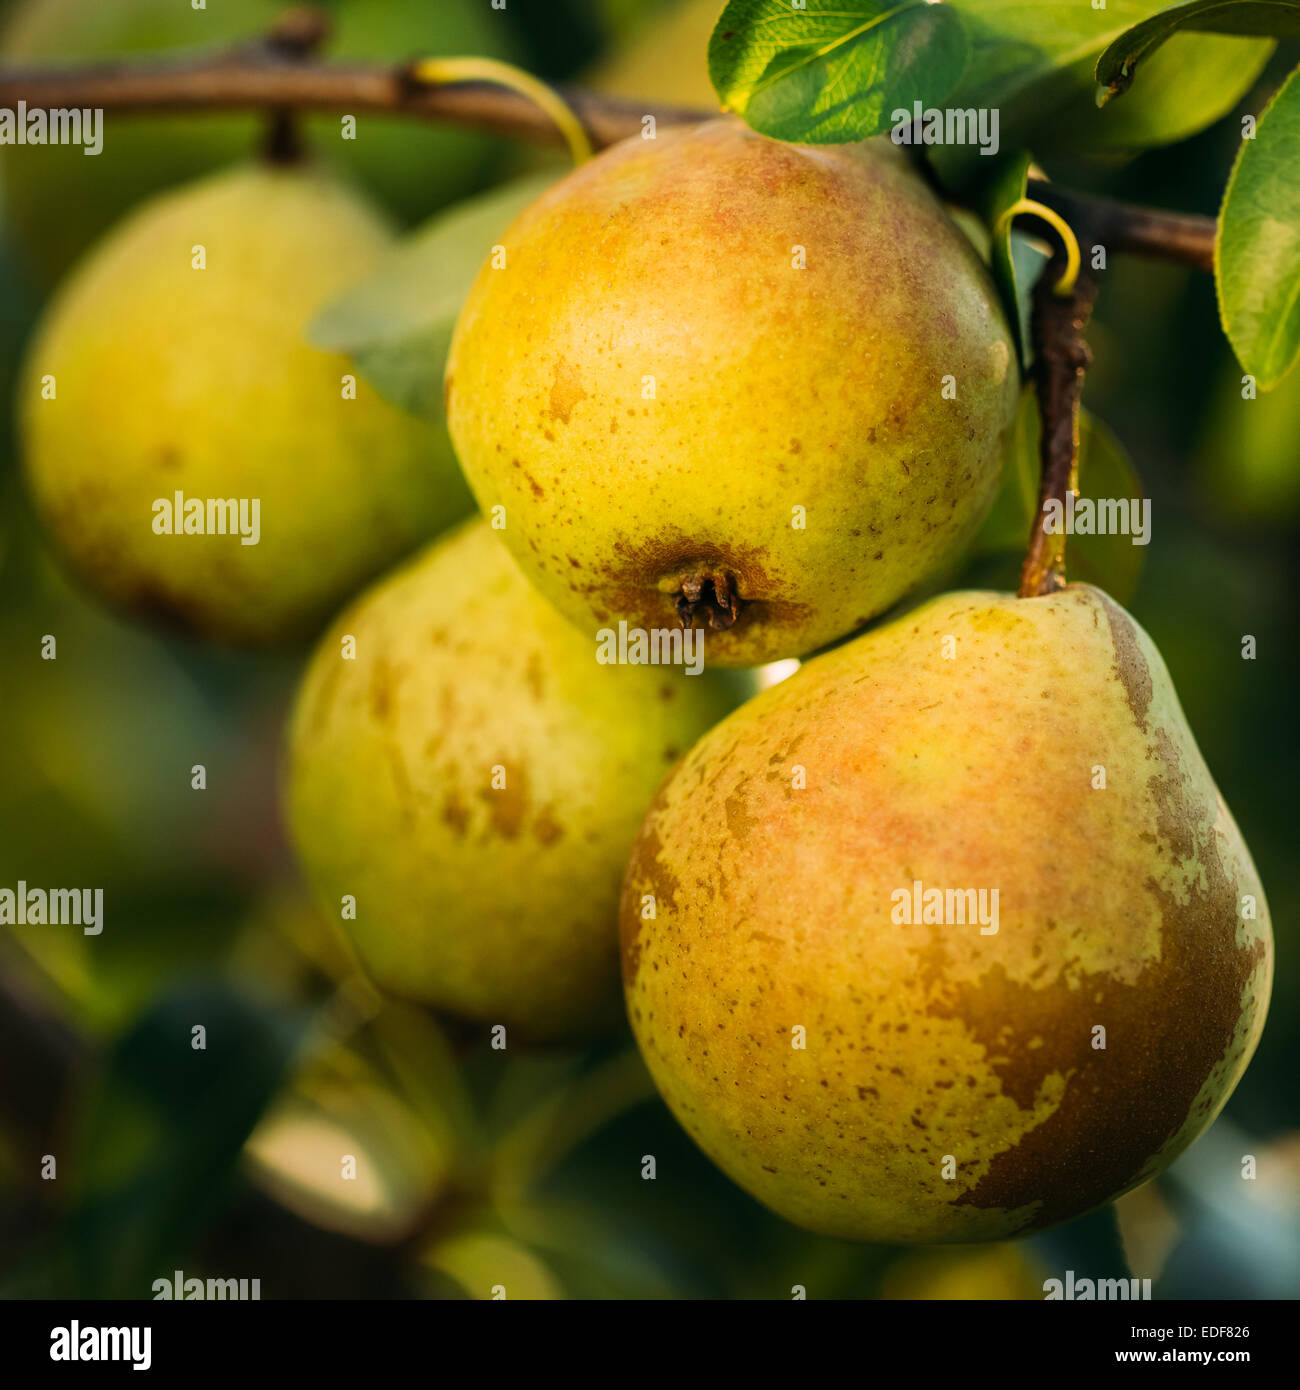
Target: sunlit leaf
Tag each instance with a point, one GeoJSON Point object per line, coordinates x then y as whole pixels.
{"type": "Point", "coordinates": [1187, 84]}
{"type": "Point", "coordinates": [836, 71]}
{"type": "Point", "coordinates": [1257, 254]}
{"type": "Point", "coordinates": [1118, 65]}
{"type": "Point", "coordinates": [1034, 61]}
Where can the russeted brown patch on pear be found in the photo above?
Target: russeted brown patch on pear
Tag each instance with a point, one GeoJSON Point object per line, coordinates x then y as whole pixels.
{"type": "Point", "coordinates": [693, 337]}
{"type": "Point", "coordinates": [475, 779]}
{"type": "Point", "coordinates": [1123, 907]}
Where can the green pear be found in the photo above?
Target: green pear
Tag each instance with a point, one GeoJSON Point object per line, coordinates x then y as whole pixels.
{"type": "Point", "coordinates": [171, 373]}
{"type": "Point", "coordinates": [61, 201]}
{"type": "Point", "coordinates": [834, 1004]}
{"type": "Point", "coordinates": [716, 378]}
{"type": "Point", "coordinates": [472, 778]}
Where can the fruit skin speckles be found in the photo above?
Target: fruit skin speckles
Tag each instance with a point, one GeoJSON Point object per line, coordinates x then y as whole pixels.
{"type": "Point", "coordinates": [1120, 909]}
{"type": "Point", "coordinates": [650, 302]}
{"type": "Point", "coordinates": [474, 780]}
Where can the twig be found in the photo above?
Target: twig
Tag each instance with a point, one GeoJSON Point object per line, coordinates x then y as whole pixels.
{"type": "Point", "coordinates": [1058, 325]}
{"type": "Point", "coordinates": [275, 73]}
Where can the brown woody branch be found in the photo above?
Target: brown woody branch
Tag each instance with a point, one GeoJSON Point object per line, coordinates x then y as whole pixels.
{"type": "Point", "coordinates": [1124, 227]}
{"type": "Point", "coordinates": [1058, 326]}
{"type": "Point", "coordinates": [274, 74]}
{"type": "Point", "coordinates": [277, 73]}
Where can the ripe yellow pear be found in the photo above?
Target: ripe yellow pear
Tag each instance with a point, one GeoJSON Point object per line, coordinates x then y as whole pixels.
{"type": "Point", "coordinates": [716, 378]}
{"type": "Point", "coordinates": [982, 1067]}
{"type": "Point", "coordinates": [474, 779]}
{"type": "Point", "coordinates": [173, 365]}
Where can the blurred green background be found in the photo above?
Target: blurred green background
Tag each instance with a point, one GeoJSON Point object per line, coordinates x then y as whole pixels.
{"type": "Point", "coordinates": [476, 1168]}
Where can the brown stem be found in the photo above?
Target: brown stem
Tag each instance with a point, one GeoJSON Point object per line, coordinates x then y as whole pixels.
{"type": "Point", "coordinates": [1058, 325]}
{"type": "Point", "coordinates": [296, 34]}
{"type": "Point", "coordinates": [283, 143]}
{"type": "Point", "coordinates": [276, 73]}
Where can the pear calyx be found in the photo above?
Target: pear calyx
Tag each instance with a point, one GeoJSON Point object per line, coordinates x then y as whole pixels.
{"type": "Point", "coordinates": [712, 595]}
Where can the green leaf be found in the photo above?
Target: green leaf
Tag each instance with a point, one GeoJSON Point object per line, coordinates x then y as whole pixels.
{"type": "Point", "coordinates": [1267, 18]}
{"type": "Point", "coordinates": [396, 325]}
{"type": "Point", "coordinates": [1035, 60]}
{"type": "Point", "coordinates": [1257, 253]}
{"type": "Point", "coordinates": [1014, 262]}
{"type": "Point", "coordinates": [837, 71]}
{"type": "Point", "coordinates": [1112, 562]}
{"type": "Point", "coordinates": [1187, 84]}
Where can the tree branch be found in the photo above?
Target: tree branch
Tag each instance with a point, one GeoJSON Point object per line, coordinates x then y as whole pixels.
{"type": "Point", "coordinates": [1172, 236]}
{"type": "Point", "coordinates": [275, 73]}
{"type": "Point", "coordinates": [272, 73]}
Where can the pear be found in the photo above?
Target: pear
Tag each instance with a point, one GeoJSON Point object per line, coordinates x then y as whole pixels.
{"type": "Point", "coordinates": [715, 378]}
{"type": "Point", "coordinates": [834, 1004]}
{"type": "Point", "coordinates": [474, 780]}
{"type": "Point", "coordinates": [171, 372]}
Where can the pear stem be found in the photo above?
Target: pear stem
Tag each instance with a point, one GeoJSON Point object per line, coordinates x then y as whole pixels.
{"type": "Point", "coordinates": [1058, 325]}
{"type": "Point", "coordinates": [283, 143]}
{"type": "Point", "coordinates": [1065, 285]}
{"type": "Point", "coordinates": [441, 71]}
{"type": "Point", "coordinates": [296, 34]}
